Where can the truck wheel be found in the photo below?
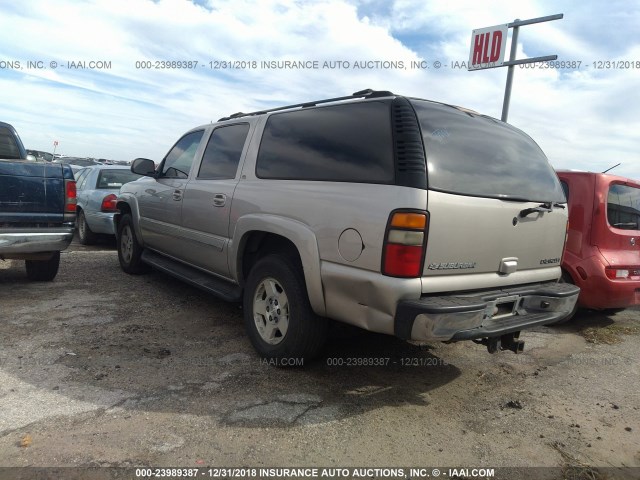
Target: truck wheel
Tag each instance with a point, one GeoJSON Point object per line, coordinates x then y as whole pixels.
{"type": "Point", "coordinates": [279, 319]}
{"type": "Point", "coordinates": [129, 250]}
{"type": "Point", "coordinates": [566, 278]}
{"type": "Point", "coordinates": [43, 270]}
{"type": "Point", "coordinates": [86, 236]}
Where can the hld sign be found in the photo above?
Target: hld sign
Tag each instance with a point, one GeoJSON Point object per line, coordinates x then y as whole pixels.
{"type": "Point", "coordinates": [487, 47]}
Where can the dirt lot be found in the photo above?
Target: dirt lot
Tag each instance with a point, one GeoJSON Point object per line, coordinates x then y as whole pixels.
{"type": "Point", "coordinates": [99, 368]}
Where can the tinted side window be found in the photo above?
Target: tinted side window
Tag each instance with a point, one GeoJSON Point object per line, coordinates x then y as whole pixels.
{"type": "Point", "coordinates": [178, 161]}
{"type": "Point", "coordinates": [223, 152]}
{"type": "Point", "coordinates": [623, 207]}
{"type": "Point", "coordinates": [83, 183]}
{"type": "Point", "coordinates": [80, 176]}
{"type": "Point", "coordinates": [85, 180]}
{"type": "Point", "coordinates": [340, 143]}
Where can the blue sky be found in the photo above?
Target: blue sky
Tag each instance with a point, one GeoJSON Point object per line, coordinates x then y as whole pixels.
{"type": "Point", "coordinates": [584, 118]}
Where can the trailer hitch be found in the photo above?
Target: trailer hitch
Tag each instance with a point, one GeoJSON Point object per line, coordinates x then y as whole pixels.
{"type": "Point", "coordinates": [508, 341]}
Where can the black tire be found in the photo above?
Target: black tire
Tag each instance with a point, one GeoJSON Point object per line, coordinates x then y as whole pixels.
{"type": "Point", "coordinates": [85, 235]}
{"type": "Point", "coordinates": [129, 250]}
{"type": "Point", "coordinates": [306, 332]}
{"type": "Point", "coordinates": [43, 270]}
{"type": "Point", "coordinates": [566, 278]}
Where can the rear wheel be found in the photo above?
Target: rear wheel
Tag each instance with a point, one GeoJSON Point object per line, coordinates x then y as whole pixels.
{"type": "Point", "coordinates": [279, 319]}
{"type": "Point", "coordinates": [43, 270]}
{"type": "Point", "coordinates": [86, 236]}
{"type": "Point", "coordinates": [129, 250]}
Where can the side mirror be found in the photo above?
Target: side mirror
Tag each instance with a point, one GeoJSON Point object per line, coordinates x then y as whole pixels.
{"type": "Point", "coordinates": [31, 158]}
{"type": "Point", "coordinates": [143, 166]}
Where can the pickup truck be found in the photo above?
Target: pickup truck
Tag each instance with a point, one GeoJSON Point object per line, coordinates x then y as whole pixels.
{"type": "Point", "coordinates": [37, 208]}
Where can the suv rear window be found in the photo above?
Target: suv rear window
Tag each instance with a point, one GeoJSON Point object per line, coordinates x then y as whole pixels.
{"type": "Point", "coordinates": [472, 154]}
{"type": "Point", "coordinates": [623, 207]}
{"type": "Point", "coordinates": [337, 143]}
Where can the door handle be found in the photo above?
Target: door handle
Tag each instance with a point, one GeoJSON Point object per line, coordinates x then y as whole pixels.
{"type": "Point", "coordinates": [177, 195]}
{"type": "Point", "coordinates": [219, 200]}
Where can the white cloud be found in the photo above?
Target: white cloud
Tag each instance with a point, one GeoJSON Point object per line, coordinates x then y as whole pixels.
{"type": "Point", "coordinates": [583, 118]}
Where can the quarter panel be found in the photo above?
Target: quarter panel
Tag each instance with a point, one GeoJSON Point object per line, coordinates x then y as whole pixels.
{"type": "Point", "coordinates": [328, 209]}
{"type": "Point", "coordinates": [313, 215]}
{"type": "Point", "coordinates": [298, 233]}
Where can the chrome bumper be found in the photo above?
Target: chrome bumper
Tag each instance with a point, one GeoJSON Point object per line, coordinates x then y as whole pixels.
{"type": "Point", "coordinates": [17, 241]}
{"type": "Point", "coordinates": [484, 314]}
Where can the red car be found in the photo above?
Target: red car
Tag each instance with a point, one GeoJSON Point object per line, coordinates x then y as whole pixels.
{"type": "Point", "coordinates": [602, 253]}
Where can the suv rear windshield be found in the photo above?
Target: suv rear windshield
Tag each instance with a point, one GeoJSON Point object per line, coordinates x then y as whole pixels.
{"type": "Point", "coordinates": [471, 154]}
{"type": "Point", "coordinates": [338, 143]}
{"type": "Point", "coordinates": [623, 207]}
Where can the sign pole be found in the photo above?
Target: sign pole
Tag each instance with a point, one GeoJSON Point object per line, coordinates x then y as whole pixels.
{"type": "Point", "coordinates": [487, 51]}
{"type": "Point", "coordinates": [510, 71]}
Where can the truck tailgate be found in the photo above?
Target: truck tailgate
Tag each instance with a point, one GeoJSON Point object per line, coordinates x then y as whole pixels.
{"type": "Point", "coordinates": [31, 192]}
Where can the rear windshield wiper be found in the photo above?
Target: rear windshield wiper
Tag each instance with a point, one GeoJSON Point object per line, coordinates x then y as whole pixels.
{"type": "Point", "coordinates": [545, 207]}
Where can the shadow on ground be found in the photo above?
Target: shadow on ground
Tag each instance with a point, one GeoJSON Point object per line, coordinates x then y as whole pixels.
{"type": "Point", "coordinates": [103, 339]}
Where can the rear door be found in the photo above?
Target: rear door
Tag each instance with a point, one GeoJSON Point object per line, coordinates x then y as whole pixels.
{"type": "Point", "coordinates": [208, 196]}
{"type": "Point", "coordinates": [618, 236]}
{"type": "Point", "coordinates": [495, 204]}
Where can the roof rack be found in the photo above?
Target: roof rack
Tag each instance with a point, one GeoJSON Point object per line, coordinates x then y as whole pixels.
{"type": "Point", "coordinates": [367, 93]}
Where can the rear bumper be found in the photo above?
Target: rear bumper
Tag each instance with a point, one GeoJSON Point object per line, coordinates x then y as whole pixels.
{"type": "Point", "coordinates": [15, 242]}
{"type": "Point", "coordinates": [602, 292]}
{"type": "Point", "coordinates": [483, 314]}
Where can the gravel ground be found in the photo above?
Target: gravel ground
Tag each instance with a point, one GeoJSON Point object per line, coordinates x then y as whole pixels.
{"type": "Point", "coordinates": [99, 368]}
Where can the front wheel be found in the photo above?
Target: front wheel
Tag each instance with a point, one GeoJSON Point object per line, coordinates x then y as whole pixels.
{"type": "Point", "coordinates": [129, 250]}
{"type": "Point", "coordinates": [43, 270]}
{"type": "Point", "coordinates": [279, 319]}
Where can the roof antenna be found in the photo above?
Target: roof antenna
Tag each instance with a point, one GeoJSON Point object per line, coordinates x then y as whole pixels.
{"type": "Point", "coordinates": [611, 168]}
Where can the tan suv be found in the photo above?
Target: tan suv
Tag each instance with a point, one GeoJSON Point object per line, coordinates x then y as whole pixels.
{"type": "Point", "coordinates": [398, 215]}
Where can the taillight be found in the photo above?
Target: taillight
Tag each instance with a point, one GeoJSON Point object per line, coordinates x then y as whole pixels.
{"type": "Point", "coordinates": [70, 198]}
{"type": "Point", "coordinates": [109, 203]}
{"type": "Point", "coordinates": [622, 273]}
{"type": "Point", "coordinates": [404, 244]}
